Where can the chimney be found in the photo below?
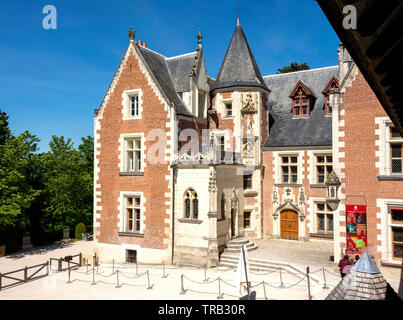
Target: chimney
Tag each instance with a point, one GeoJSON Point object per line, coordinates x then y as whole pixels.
{"type": "Point", "coordinates": [345, 61]}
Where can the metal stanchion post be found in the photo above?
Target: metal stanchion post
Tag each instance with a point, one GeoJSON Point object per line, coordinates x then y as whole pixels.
{"type": "Point", "coordinates": [324, 279]}
{"type": "Point", "coordinates": [220, 296]}
{"type": "Point", "coordinates": [86, 262]}
{"type": "Point", "coordinates": [113, 265]}
{"type": "Point", "coordinates": [264, 290]}
{"type": "Point", "coordinates": [148, 280]}
{"type": "Point", "coordinates": [68, 264]}
{"type": "Point", "coordinates": [26, 274]}
{"type": "Point", "coordinates": [281, 280]}
{"type": "Point", "coordinates": [137, 269]}
{"type": "Point", "coordinates": [117, 279]}
{"type": "Point", "coordinates": [182, 286]}
{"type": "Point", "coordinates": [163, 269]}
{"type": "Point", "coordinates": [93, 275]}
{"type": "Point", "coordinates": [205, 273]}
{"type": "Point", "coordinates": [309, 284]}
{"type": "Point", "coordinates": [47, 268]}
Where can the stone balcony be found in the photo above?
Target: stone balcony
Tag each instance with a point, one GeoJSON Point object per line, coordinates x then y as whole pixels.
{"type": "Point", "coordinates": [208, 157]}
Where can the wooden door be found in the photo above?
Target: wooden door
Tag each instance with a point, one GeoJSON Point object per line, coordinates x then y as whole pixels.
{"type": "Point", "coordinates": [289, 225]}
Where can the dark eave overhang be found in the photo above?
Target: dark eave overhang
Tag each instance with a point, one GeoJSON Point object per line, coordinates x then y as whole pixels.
{"type": "Point", "coordinates": [376, 46]}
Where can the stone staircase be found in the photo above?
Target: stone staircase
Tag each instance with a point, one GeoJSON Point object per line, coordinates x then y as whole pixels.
{"type": "Point", "coordinates": [229, 258]}
{"type": "Point", "coordinates": [234, 245]}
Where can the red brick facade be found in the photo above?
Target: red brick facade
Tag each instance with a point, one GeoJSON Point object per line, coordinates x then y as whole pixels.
{"type": "Point", "coordinates": [359, 110]}
{"type": "Point", "coordinates": [153, 183]}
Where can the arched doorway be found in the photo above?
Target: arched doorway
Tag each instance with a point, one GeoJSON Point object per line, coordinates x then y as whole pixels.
{"type": "Point", "coordinates": [289, 225]}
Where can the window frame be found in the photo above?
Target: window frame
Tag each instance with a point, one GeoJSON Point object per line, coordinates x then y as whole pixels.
{"type": "Point", "coordinates": [325, 164]}
{"type": "Point", "coordinates": [127, 104]}
{"type": "Point", "coordinates": [190, 195]}
{"type": "Point", "coordinates": [137, 155]}
{"type": "Point", "coordinates": [245, 179]}
{"type": "Point", "coordinates": [390, 143]}
{"type": "Point", "coordinates": [124, 213]}
{"type": "Point", "coordinates": [326, 212]}
{"type": "Point", "coordinates": [136, 220]}
{"type": "Point", "coordinates": [300, 105]}
{"type": "Point", "coordinates": [226, 104]}
{"type": "Point", "coordinates": [395, 225]}
{"type": "Point", "coordinates": [289, 164]}
{"type": "Point", "coordinates": [249, 211]}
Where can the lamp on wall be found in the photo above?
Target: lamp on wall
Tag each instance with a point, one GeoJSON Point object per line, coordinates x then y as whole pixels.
{"type": "Point", "coordinates": [332, 185]}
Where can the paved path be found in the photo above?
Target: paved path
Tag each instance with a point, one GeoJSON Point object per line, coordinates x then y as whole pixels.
{"type": "Point", "coordinates": [315, 254]}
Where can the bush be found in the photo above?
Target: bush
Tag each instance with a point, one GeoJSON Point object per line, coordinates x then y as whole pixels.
{"type": "Point", "coordinates": [80, 229]}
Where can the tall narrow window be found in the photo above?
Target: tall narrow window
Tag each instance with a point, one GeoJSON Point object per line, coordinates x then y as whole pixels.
{"type": "Point", "coordinates": [191, 204]}
{"type": "Point", "coordinates": [247, 181]}
{"type": "Point", "coordinates": [246, 219]}
{"type": "Point", "coordinates": [134, 106]}
{"type": "Point", "coordinates": [133, 154]}
{"type": "Point", "coordinates": [397, 234]}
{"type": "Point", "coordinates": [133, 214]}
{"type": "Point", "coordinates": [396, 155]}
{"type": "Point", "coordinates": [221, 147]}
{"type": "Point", "coordinates": [223, 206]}
{"type": "Point", "coordinates": [324, 217]}
{"type": "Point", "coordinates": [289, 169]}
{"type": "Point", "coordinates": [324, 166]}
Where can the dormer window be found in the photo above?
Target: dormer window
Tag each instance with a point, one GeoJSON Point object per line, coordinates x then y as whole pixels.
{"type": "Point", "coordinates": [333, 84]}
{"type": "Point", "coordinates": [301, 106]}
{"type": "Point", "coordinates": [301, 97]}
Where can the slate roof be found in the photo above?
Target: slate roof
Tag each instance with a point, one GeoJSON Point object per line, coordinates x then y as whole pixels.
{"type": "Point", "coordinates": [239, 68]}
{"type": "Point", "coordinates": [285, 131]}
{"type": "Point", "coordinates": [168, 83]}
{"type": "Point", "coordinates": [364, 281]}
{"type": "Point", "coordinates": [179, 68]}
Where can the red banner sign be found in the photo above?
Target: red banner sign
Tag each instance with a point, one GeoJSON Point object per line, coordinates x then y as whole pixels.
{"type": "Point", "coordinates": [356, 225]}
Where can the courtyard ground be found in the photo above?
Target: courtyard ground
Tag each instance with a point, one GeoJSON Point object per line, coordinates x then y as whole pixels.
{"type": "Point", "coordinates": [102, 282]}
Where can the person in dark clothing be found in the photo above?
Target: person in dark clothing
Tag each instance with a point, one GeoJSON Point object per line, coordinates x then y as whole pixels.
{"type": "Point", "coordinates": [342, 263]}
{"type": "Point", "coordinates": [357, 257]}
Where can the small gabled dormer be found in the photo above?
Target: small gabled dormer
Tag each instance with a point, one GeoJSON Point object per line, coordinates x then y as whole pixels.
{"type": "Point", "coordinates": [333, 84]}
{"type": "Point", "coordinates": [301, 100]}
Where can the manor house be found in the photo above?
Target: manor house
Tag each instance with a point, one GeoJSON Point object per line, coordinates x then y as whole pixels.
{"type": "Point", "coordinates": [186, 164]}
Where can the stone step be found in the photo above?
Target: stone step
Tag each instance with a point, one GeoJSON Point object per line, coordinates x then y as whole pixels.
{"type": "Point", "coordinates": [236, 245]}
{"type": "Point", "coordinates": [252, 247]}
{"type": "Point", "coordinates": [239, 241]}
{"type": "Point", "coordinates": [231, 260]}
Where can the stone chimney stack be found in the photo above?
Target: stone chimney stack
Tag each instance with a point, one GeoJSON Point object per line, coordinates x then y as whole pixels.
{"type": "Point", "coordinates": [344, 60]}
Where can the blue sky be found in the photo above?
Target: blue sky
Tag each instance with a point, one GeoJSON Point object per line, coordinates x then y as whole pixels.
{"type": "Point", "coordinates": [52, 80]}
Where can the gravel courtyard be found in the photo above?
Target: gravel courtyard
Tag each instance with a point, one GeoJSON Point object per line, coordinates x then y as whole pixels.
{"type": "Point", "coordinates": [134, 285]}
{"type": "Point", "coordinates": [138, 285]}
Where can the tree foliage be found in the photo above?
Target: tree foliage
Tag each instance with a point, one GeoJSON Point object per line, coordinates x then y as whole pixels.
{"type": "Point", "coordinates": [294, 66]}
{"type": "Point", "coordinates": [43, 192]}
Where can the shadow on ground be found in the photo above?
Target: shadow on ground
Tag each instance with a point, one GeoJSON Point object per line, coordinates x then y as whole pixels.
{"type": "Point", "coordinates": [37, 250]}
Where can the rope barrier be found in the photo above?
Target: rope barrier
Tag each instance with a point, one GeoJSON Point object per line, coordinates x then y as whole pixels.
{"type": "Point", "coordinates": [263, 274]}
{"type": "Point", "coordinates": [136, 277]}
{"type": "Point", "coordinates": [231, 285]}
{"type": "Point", "coordinates": [289, 286]}
{"type": "Point", "coordinates": [207, 282]}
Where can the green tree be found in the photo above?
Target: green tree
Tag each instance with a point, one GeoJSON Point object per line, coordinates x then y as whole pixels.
{"type": "Point", "coordinates": [68, 184]}
{"type": "Point", "coordinates": [16, 194]}
{"type": "Point", "coordinates": [294, 66]}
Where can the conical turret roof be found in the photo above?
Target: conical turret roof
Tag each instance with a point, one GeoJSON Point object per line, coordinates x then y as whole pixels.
{"type": "Point", "coordinates": [239, 68]}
